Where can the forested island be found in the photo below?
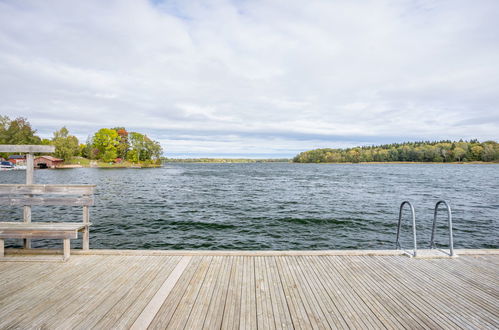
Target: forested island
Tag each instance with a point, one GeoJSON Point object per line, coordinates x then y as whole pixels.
{"type": "Point", "coordinates": [425, 151]}
{"type": "Point", "coordinates": [106, 147]}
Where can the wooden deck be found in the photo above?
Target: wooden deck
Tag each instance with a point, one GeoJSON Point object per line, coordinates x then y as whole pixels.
{"type": "Point", "coordinates": [250, 291]}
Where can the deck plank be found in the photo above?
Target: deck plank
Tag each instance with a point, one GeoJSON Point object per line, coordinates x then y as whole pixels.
{"type": "Point", "coordinates": [371, 294]}
{"type": "Point", "coordinates": [359, 312]}
{"type": "Point", "coordinates": [280, 305]}
{"type": "Point", "coordinates": [215, 312]}
{"type": "Point", "coordinates": [84, 312]}
{"type": "Point", "coordinates": [425, 292]}
{"type": "Point", "coordinates": [207, 290]}
{"type": "Point", "coordinates": [232, 308]}
{"type": "Point", "coordinates": [477, 308]}
{"type": "Point", "coordinates": [127, 310]}
{"type": "Point", "coordinates": [330, 282]}
{"type": "Point", "coordinates": [299, 308]}
{"type": "Point", "coordinates": [19, 275]}
{"type": "Point", "coordinates": [381, 291]}
{"type": "Point", "coordinates": [25, 271]}
{"type": "Point", "coordinates": [185, 307]}
{"type": "Point", "coordinates": [248, 295]}
{"type": "Point", "coordinates": [323, 313]}
{"type": "Point", "coordinates": [328, 304]}
{"type": "Point", "coordinates": [32, 300]}
{"type": "Point", "coordinates": [113, 306]}
{"type": "Point", "coordinates": [173, 300]}
{"type": "Point", "coordinates": [264, 314]}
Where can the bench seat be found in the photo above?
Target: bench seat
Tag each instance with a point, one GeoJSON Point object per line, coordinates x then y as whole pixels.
{"type": "Point", "coordinates": [40, 229]}
{"type": "Point", "coordinates": [47, 230]}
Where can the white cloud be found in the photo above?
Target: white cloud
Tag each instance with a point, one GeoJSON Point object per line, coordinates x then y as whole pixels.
{"type": "Point", "coordinates": [254, 77]}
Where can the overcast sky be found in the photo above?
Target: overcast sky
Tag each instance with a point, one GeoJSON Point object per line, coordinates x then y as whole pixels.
{"type": "Point", "coordinates": [254, 78]}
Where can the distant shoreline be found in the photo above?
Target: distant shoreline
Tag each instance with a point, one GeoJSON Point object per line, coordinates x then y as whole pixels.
{"type": "Point", "coordinates": [243, 161]}
{"type": "Point", "coordinates": [89, 164]}
{"type": "Point", "coordinates": [226, 160]}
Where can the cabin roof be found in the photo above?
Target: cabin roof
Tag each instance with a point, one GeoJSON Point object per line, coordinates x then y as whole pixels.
{"type": "Point", "coordinates": [53, 159]}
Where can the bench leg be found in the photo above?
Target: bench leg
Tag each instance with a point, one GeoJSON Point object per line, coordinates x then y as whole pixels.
{"type": "Point", "coordinates": [86, 239]}
{"type": "Point", "coordinates": [27, 219]}
{"type": "Point", "coordinates": [27, 243]}
{"type": "Point", "coordinates": [66, 248]}
{"type": "Point", "coordinates": [2, 246]}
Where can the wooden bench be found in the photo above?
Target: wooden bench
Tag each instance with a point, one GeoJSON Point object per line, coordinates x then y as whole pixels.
{"type": "Point", "coordinates": [28, 195]}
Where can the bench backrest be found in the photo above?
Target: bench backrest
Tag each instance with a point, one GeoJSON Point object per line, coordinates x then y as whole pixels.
{"type": "Point", "coordinates": [30, 195]}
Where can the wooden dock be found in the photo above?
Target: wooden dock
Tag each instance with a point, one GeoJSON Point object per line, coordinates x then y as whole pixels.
{"type": "Point", "coordinates": [251, 290]}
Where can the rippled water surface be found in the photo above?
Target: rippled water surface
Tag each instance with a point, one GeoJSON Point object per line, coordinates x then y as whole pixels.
{"type": "Point", "coordinates": [275, 205]}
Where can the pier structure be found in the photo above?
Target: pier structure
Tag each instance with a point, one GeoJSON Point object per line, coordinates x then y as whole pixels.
{"type": "Point", "coordinates": [121, 289]}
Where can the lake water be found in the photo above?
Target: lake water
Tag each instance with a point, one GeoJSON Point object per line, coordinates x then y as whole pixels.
{"type": "Point", "coordinates": [276, 206]}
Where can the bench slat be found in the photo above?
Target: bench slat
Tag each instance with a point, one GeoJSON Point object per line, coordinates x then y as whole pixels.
{"type": "Point", "coordinates": [6, 225]}
{"type": "Point", "coordinates": [52, 189]}
{"type": "Point", "coordinates": [49, 230]}
{"type": "Point", "coordinates": [43, 201]}
{"type": "Point", "coordinates": [38, 234]}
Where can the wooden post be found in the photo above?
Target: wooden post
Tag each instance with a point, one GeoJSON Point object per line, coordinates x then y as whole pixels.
{"type": "Point", "coordinates": [66, 248]}
{"type": "Point", "coordinates": [30, 150]}
{"type": "Point", "coordinates": [30, 167]}
{"type": "Point", "coordinates": [86, 232]}
{"type": "Point", "coordinates": [29, 180]}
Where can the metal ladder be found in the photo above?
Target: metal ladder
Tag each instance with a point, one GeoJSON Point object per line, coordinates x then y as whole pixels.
{"type": "Point", "coordinates": [432, 240]}
{"type": "Point", "coordinates": [449, 219]}
{"type": "Point", "coordinates": [397, 243]}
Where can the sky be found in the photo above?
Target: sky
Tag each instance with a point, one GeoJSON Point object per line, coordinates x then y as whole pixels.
{"type": "Point", "coordinates": [267, 78]}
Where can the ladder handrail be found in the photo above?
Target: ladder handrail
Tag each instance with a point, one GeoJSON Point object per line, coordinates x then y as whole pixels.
{"type": "Point", "coordinates": [449, 218]}
{"type": "Point", "coordinates": [397, 243]}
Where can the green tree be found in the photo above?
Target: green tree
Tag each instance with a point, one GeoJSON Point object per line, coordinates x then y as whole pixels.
{"type": "Point", "coordinates": [66, 146]}
{"type": "Point", "coordinates": [143, 148]}
{"type": "Point", "coordinates": [366, 155]}
{"type": "Point", "coordinates": [353, 155]}
{"type": "Point", "coordinates": [87, 150]}
{"type": "Point", "coordinates": [4, 126]}
{"type": "Point", "coordinates": [458, 153]}
{"type": "Point", "coordinates": [133, 156]}
{"type": "Point", "coordinates": [445, 151]}
{"type": "Point", "coordinates": [105, 141]}
{"type": "Point", "coordinates": [17, 131]}
{"type": "Point", "coordinates": [83, 150]}
{"type": "Point", "coordinates": [109, 155]}
{"type": "Point", "coordinates": [489, 152]}
{"type": "Point", "coordinates": [124, 145]}
{"type": "Point", "coordinates": [477, 151]}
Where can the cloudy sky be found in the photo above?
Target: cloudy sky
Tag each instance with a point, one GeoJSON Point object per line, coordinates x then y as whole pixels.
{"type": "Point", "coordinates": [254, 78]}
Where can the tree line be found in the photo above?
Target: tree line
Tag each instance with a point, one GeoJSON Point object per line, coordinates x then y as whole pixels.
{"type": "Point", "coordinates": [424, 151]}
{"type": "Point", "coordinates": [107, 144]}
